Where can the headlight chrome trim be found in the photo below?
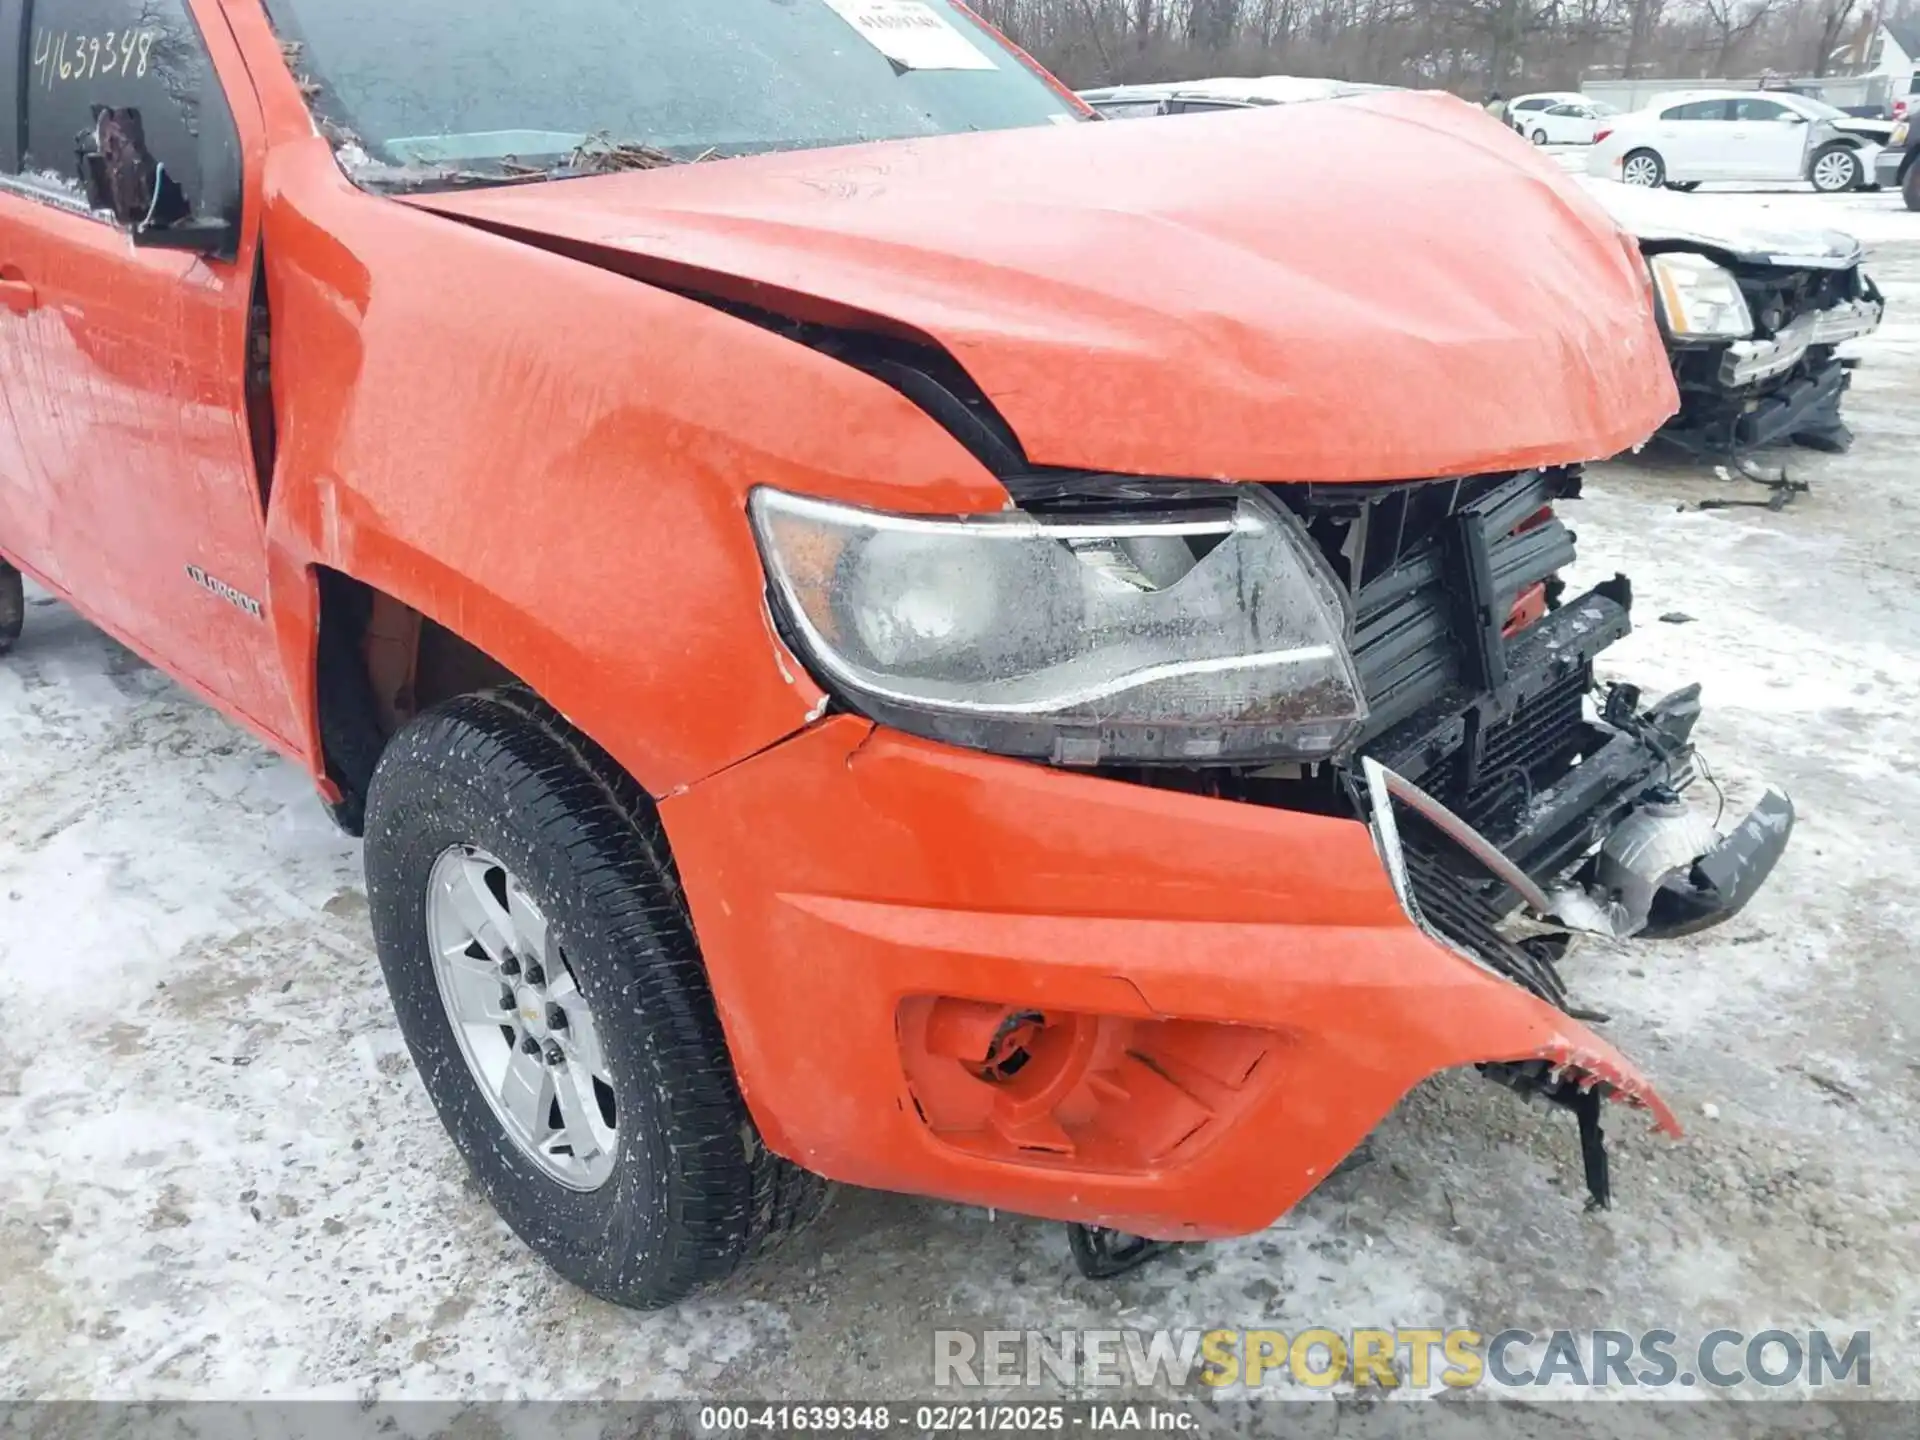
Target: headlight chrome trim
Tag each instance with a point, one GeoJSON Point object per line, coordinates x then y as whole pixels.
{"type": "Point", "coordinates": [1169, 637]}
{"type": "Point", "coordinates": [1697, 299]}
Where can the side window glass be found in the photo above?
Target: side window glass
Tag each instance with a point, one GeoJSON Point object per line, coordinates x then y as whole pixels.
{"type": "Point", "coordinates": [123, 109]}
{"type": "Point", "coordinates": [1758, 110]}
{"type": "Point", "coordinates": [1697, 110]}
{"type": "Point", "coordinates": [9, 88]}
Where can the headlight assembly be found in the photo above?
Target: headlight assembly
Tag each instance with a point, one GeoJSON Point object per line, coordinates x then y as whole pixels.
{"type": "Point", "coordinates": [1699, 300]}
{"type": "Point", "coordinates": [1215, 636]}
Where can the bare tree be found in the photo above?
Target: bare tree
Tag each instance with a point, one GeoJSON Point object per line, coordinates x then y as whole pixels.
{"type": "Point", "coordinates": [1733, 23]}
{"type": "Point", "coordinates": [1470, 46]}
{"type": "Point", "coordinates": [1834, 15]}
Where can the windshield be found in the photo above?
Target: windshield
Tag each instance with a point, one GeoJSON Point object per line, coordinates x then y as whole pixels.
{"type": "Point", "coordinates": [1820, 109]}
{"type": "Point", "coordinates": [434, 89]}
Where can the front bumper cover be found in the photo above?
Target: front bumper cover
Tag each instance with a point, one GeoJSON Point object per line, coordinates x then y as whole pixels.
{"type": "Point", "coordinates": [1748, 362]}
{"type": "Point", "coordinates": [1248, 994]}
{"type": "Point", "coordinates": [1746, 394]}
{"type": "Point", "coordinates": [1718, 884]}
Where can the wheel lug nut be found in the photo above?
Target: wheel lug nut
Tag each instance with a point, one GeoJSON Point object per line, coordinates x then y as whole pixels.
{"type": "Point", "coordinates": [509, 964]}
{"type": "Point", "coordinates": [529, 1045]}
{"type": "Point", "coordinates": [508, 1000]}
{"type": "Point", "coordinates": [535, 975]}
{"type": "Point", "coordinates": [556, 1017]}
{"type": "Point", "coordinates": [555, 1056]}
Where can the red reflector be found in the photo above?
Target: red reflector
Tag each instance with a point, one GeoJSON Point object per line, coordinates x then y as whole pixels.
{"type": "Point", "coordinates": [1600, 135]}
{"type": "Point", "coordinates": [1528, 606]}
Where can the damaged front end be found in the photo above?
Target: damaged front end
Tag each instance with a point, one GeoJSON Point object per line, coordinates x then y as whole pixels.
{"type": "Point", "coordinates": [1165, 834]}
{"type": "Point", "coordinates": [1753, 318]}
{"type": "Point", "coordinates": [1759, 364]}
{"type": "Point", "coordinates": [1515, 801]}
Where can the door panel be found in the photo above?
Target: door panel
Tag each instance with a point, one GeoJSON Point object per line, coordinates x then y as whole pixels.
{"type": "Point", "coordinates": [1673, 137]}
{"type": "Point", "coordinates": [1719, 150]}
{"type": "Point", "coordinates": [1694, 141]}
{"type": "Point", "coordinates": [127, 379]}
{"type": "Point", "coordinates": [1772, 142]}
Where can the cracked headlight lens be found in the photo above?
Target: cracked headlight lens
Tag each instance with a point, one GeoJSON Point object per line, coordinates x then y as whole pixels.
{"type": "Point", "coordinates": [1216, 635]}
{"type": "Point", "coordinates": [1699, 300]}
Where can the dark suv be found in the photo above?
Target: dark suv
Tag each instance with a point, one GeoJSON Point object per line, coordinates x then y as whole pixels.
{"type": "Point", "coordinates": [1895, 164]}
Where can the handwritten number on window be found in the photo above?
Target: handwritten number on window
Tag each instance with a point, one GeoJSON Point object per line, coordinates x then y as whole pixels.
{"type": "Point", "coordinates": [121, 52]}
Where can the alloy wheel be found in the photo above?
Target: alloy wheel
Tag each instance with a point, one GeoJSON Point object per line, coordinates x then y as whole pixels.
{"type": "Point", "coordinates": [1641, 170]}
{"type": "Point", "coordinates": [524, 1028]}
{"type": "Point", "coordinates": [1834, 171]}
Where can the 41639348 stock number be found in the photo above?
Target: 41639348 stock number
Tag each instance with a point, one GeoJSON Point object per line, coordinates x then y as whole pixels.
{"type": "Point", "coordinates": [60, 56]}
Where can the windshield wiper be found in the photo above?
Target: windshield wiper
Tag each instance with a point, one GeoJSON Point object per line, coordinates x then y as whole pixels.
{"type": "Point", "coordinates": [408, 179]}
{"type": "Point", "coordinates": [602, 155]}
{"type": "Point", "coordinates": [596, 155]}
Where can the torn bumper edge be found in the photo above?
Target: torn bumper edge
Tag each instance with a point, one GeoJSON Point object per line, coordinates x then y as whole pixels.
{"type": "Point", "coordinates": [1748, 362]}
{"type": "Point", "coordinates": [1713, 888]}
{"type": "Point", "coordinates": [1719, 883]}
{"type": "Point", "coordinates": [1570, 1060]}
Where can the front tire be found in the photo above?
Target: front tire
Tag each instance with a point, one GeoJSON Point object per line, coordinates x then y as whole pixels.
{"type": "Point", "coordinates": [1644, 168]}
{"type": "Point", "coordinates": [13, 606]}
{"type": "Point", "coordinates": [1836, 168]}
{"type": "Point", "coordinates": [546, 978]}
{"type": "Point", "coordinates": [1685, 187]}
{"type": "Point", "coordinates": [1910, 187]}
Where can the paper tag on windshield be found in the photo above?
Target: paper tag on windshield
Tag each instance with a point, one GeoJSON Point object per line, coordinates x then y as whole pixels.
{"type": "Point", "coordinates": [912, 34]}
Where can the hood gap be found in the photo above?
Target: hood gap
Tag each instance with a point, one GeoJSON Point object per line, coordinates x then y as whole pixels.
{"type": "Point", "coordinates": [911, 363]}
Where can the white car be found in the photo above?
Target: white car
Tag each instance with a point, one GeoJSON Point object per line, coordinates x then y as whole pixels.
{"type": "Point", "coordinates": [1574, 123]}
{"type": "Point", "coordinates": [1523, 110]}
{"type": "Point", "coordinates": [1682, 139]}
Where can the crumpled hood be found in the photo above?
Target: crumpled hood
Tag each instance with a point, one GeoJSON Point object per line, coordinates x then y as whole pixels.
{"type": "Point", "coordinates": [1382, 288]}
{"type": "Point", "coordinates": [1661, 217]}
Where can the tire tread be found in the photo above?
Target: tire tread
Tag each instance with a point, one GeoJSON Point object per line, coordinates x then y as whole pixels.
{"type": "Point", "coordinates": [727, 1197]}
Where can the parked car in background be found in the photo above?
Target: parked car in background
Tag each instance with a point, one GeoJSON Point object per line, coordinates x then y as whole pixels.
{"type": "Point", "coordinates": [1753, 319]}
{"type": "Point", "coordinates": [1523, 109]}
{"type": "Point", "coordinates": [1894, 166]}
{"type": "Point", "coordinates": [1686, 138]}
{"type": "Point", "coordinates": [1574, 123]}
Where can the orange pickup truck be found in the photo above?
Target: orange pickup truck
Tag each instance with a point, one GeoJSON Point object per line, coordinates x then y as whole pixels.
{"type": "Point", "coordinates": [877, 628]}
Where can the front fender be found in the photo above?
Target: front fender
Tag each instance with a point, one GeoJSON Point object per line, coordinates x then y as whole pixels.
{"type": "Point", "coordinates": [553, 462]}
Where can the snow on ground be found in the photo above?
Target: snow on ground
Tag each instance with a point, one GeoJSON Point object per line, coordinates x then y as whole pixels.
{"type": "Point", "coordinates": [224, 1180]}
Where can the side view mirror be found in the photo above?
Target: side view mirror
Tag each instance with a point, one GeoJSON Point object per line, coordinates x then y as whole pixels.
{"type": "Point", "coordinates": [123, 179]}
{"type": "Point", "coordinates": [1794, 117]}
